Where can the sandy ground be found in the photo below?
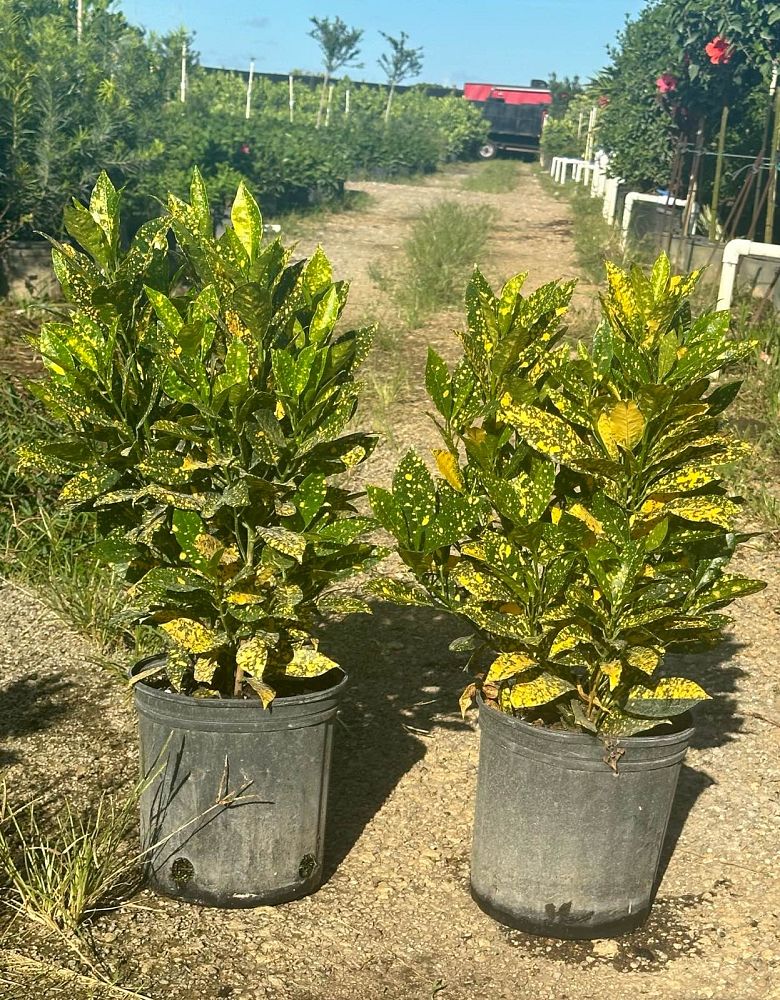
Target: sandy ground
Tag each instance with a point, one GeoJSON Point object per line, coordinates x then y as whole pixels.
{"type": "Point", "coordinates": [394, 918]}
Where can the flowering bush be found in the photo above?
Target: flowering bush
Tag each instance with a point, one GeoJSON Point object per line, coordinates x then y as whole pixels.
{"type": "Point", "coordinates": [719, 50]}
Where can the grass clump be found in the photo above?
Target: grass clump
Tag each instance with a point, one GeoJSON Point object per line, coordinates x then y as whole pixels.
{"type": "Point", "coordinates": [52, 553]}
{"type": "Point", "coordinates": [62, 870]}
{"type": "Point", "coordinates": [495, 177]}
{"type": "Point", "coordinates": [444, 243]}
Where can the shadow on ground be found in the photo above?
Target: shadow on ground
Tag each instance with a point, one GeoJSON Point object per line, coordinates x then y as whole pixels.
{"type": "Point", "coordinates": [29, 705]}
{"type": "Point", "coordinates": [402, 679]}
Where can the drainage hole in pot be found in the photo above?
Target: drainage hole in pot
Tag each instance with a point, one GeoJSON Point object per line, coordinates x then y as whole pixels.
{"type": "Point", "coordinates": [182, 871]}
{"type": "Point", "coordinates": [307, 866]}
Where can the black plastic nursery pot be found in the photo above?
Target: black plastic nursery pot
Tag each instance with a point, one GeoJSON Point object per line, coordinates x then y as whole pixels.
{"type": "Point", "coordinates": [234, 812]}
{"type": "Point", "coordinates": [564, 845]}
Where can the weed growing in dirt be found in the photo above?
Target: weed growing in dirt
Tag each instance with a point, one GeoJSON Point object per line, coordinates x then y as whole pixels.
{"type": "Point", "coordinates": [63, 869]}
{"type": "Point", "coordinates": [495, 177]}
{"type": "Point", "coordinates": [443, 246]}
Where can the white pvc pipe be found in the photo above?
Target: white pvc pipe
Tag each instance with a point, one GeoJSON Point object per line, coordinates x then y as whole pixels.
{"type": "Point", "coordinates": [733, 252]}
{"type": "Point", "coordinates": [658, 199]}
{"type": "Point", "coordinates": [611, 185]}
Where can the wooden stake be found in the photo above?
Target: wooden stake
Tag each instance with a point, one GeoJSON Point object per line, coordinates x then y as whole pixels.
{"type": "Point", "coordinates": [724, 120]}
{"type": "Point", "coordinates": [771, 204]}
{"type": "Point", "coordinates": [693, 180]}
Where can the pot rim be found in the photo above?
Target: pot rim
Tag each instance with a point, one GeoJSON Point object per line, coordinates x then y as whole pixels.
{"type": "Point", "coordinates": [227, 704]}
{"type": "Point", "coordinates": [562, 736]}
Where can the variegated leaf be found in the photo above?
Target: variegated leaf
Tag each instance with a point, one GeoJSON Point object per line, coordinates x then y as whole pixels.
{"type": "Point", "coordinates": [509, 665]}
{"type": "Point", "coordinates": [539, 691]}
{"type": "Point", "coordinates": [669, 696]}
{"type": "Point", "coordinates": [192, 636]}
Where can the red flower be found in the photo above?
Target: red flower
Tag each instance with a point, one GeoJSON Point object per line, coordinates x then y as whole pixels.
{"type": "Point", "coordinates": [720, 50]}
{"type": "Point", "coordinates": [603, 101]}
{"type": "Point", "coordinates": [245, 149]}
{"type": "Point", "coordinates": [666, 83]}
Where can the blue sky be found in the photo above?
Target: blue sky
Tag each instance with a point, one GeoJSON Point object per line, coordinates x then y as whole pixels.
{"type": "Point", "coordinates": [487, 40]}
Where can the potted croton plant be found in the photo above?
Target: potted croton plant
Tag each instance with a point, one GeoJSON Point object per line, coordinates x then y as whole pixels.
{"type": "Point", "coordinates": [581, 526]}
{"type": "Point", "coordinates": [204, 397]}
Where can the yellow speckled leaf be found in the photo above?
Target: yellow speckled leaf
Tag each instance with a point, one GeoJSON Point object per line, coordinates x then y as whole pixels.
{"type": "Point", "coordinates": [684, 480]}
{"type": "Point", "coordinates": [547, 434]}
{"type": "Point", "coordinates": [252, 656]}
{"type": "Point", "coordinates": [669, 696]}
{"type": "Point", "coordinates": [508, 665]}
{"type": "Point", "coordinates": [265, 692]}
{"type": "Point", "coordinates": [713, 509]}
{"type": "Point", "coordinates": [643, 658]}
{"type": "Point", "coordinates": [308, 662]}
{"type": "Point", "coordinates": [626, 424]}
{"type": "Point", "coordinates": [447, 465]}
{"type": "Point", "coordinates": [578, 511]}
{"type": "Point", "coordinates": [604, 428]}
{"type": "Point", "coordinates": [539, 691]}
{"type": "Point", "coordinates": [289, 543]}
{"type": "Point", "coordinates": [244, 597]}
{"type": "Point", "coordinates": [205, 669]}
{"type": "Point", "coordinates": [191, 635]}
{"type": "Point", "coordinates": [621, 290]}
{"type": "Point", "coordinates": [612, 669]}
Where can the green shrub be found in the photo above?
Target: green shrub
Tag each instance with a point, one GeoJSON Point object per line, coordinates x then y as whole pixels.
{"type": "Point", "coordinates": [202, 409]}
{"type": "Point", "coordinates": [582, 526]}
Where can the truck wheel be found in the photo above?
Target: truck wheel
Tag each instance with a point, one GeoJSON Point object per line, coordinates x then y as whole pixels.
{"type": "Point", "coordinates": [487, 150]}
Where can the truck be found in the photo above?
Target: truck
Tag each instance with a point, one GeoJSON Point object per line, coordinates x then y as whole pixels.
{"type": "Point", "coordinates": [516, 115]}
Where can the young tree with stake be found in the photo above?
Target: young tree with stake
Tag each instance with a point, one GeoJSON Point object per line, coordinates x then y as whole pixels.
{"type": "Point", "coordinates": [398, 64]}
{"type": "Point", "coordinates": [339, 46]}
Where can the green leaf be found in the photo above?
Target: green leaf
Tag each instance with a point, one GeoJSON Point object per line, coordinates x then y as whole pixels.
{"type": "Point", "coordinates": [345, 530]}
{"type": "Point", "coordinates": [199, 200]}
{"type": "Point", "coordinates": [548, 434]}
{"type": "Point", "coordinates": [437, 383]}
{"type": "Point", "coordinates": [104, 208]}
{"type": "Point", "coordinates": [236, 370]}
{"type": "Point", "coordinates": [289, 543]}
{"type": "Point", "coordinates": [339, 604]}
{"type": "Point", "coordinates": [166, 311]}
{"type": "Point", "coordinates": [308, 662]}
{"type": "Point", "coordinates": [325, 316]}
{"type": "Point", "coordinates": [252, 656]}
{"type": "Point", "coordinates": [247, 222]}
{"type": "Point", "coordinates": [87, 485]}
{"type": "Point", "coordinates": [540, 690]}
{"type": "Point", "coordinates": [192, 636]}
{"type": "Point", "coordinates": [310, 496]}
{"type": "Point", "coordinates": [669, 696]}
{"type": "Point", "coordinates": [414, 495]}
{"type": "Point", "coordinates": [317, 274]}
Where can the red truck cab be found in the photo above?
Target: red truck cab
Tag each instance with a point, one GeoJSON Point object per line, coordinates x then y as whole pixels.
{"type": "Point", "coordinates": [516, 115]}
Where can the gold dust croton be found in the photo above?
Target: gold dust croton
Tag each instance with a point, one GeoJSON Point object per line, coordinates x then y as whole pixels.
{"type": "Point", "coordinates": [204, 400]}
{"type": "Point", "coordinates": [581, 523]}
